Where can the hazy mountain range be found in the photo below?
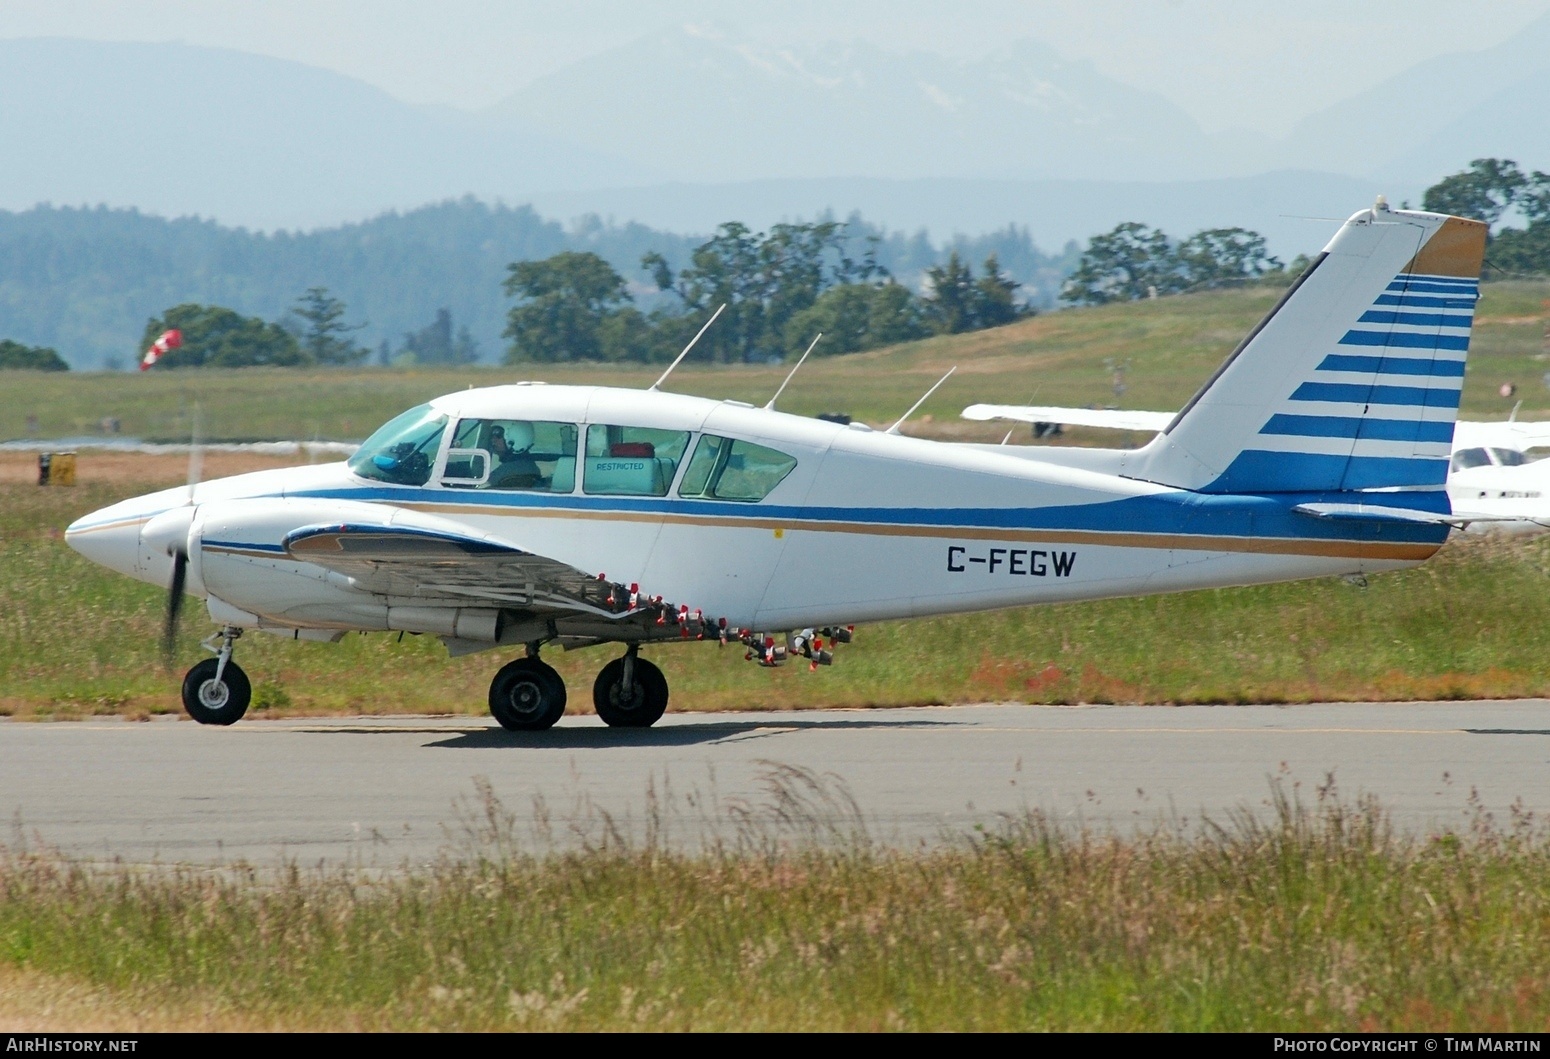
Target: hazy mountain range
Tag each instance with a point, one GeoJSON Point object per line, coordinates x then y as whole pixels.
{"type": "Point", "coordinates": [689, 128]}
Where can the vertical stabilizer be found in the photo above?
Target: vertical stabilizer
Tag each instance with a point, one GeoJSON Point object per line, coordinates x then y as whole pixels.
{"type": "Point", "coordinates": [1351, 382]}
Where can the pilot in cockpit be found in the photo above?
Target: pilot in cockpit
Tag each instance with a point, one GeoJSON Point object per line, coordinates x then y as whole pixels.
{"type": "Point", "coordinates": [515, 468]}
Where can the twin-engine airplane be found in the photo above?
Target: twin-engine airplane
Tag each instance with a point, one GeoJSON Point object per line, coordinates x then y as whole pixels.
{"type": "Point", "coordinates": [530, 515]}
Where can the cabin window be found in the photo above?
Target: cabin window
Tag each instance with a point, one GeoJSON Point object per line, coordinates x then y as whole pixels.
{"type": "Point", "coordinates": [403, 449]}
{"type": "Point", "coordinates": [631, 461]}
{"type": "Point", "coordinates": [1509, 458]}
{"type": "Point", "coordinates": [731, 469]}
{"type": "Point", "coordinates": [1464, 459]}
{"type": "Point", "coordinates": [525, 454]}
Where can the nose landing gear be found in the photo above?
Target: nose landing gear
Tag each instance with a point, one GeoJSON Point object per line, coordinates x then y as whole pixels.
{"type": "Point", "coordinates": [216, 691]}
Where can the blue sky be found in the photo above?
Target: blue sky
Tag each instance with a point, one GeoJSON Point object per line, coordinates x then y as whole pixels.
{"type": "Point", "coordinates": [1230, 63]}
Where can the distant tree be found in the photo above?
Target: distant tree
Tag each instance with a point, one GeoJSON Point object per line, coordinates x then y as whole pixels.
{"type": "Point", "coordinates": [15, 356]}
{"type": "Point", "coordinates": [1521, 250]}
{"type": "Point", "coordinates": [857, 316]}
{"type": "Point", "coordinates": [437, 343]}
{"type": "Point", "coordinates": [1135, 261]}
{"type": "Point", "coordinates": [1488, 190]}
{"type": "Point", "coordinates": [628, 334]}
{"type": "Point", "coordinates": [958, 302]}
{"type": "Point", "coordinates": [1484, 191]}
{"type": "Point", "coordinates": [950, 306]}
{"type": "Point", "coordinates": [564, 302]}
{"type": "Point", "coordinates": [764, 279]}
{"type": "Point", "coordinates": [1130, 261]}
{"type": "Point", "coordinates": [323, 329]}
{"type": "Point", "coordinates": [1534, 199]}
{"type": "Point", "coordinates": [217, 337]}
{"type": "Point", "coordinates": [1223, 257]}
{"type": "Point", "coordinates": [995, 297]}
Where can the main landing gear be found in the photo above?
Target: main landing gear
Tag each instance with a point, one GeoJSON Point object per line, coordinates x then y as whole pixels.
{"type": "Point", "coordinates": [528, 695]}
{"type": "Point", "coordinates": [216, 691]}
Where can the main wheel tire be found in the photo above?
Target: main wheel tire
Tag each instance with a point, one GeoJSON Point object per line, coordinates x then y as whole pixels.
{"type": "Point", "coordinates": [209, 702]}
{"type": "Point", "coordinates": [527, 696]}
{"type": "Point", "coordinates": [643, 708]}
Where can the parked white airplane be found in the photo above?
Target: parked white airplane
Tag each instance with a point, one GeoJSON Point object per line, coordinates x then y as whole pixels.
{"type": "Point", "coordinates": [578, 515]}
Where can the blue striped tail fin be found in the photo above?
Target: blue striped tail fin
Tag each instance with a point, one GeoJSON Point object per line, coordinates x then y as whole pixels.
{"type": "Point", "coordinates": [1352, 382]}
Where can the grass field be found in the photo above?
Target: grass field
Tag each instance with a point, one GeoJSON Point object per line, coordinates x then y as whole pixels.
{"type": "Point", "coordinates": [1312, 915]}
{"type": "Point", "coordinates": [1167, 347]}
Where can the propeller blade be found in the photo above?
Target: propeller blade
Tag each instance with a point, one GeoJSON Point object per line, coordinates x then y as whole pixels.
{"type": "Point", "coordinates": [174, 604]}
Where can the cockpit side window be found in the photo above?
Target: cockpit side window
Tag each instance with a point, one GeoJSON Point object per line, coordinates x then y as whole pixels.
{"type": "Point", "coordinates": [1509, 457]}
{"type": "Point", "coordinates": [403, 449]}
{"type": "Point", "coordinates": [731, 469]}
{"type": "Point", "coordinates": [631, 461]}
{"type": "Point", "coordinates": [1464, 459]}
{"type": "Point", "coordinates": [525, 454]}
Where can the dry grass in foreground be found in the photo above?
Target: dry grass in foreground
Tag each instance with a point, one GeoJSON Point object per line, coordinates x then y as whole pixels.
{"type": "Point", "coordinates": [1305, 916]}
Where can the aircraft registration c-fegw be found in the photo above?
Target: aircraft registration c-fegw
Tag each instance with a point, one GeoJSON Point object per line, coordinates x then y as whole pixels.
{"type": "Point", "coordinates": [530, 515]}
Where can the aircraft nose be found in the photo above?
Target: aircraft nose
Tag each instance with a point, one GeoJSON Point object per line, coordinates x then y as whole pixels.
{"type": "Point", "coordinates": [108, 538]}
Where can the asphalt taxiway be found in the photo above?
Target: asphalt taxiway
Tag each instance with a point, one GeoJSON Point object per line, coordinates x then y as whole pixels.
{"type": "Point", "coordinates": [389, 792]}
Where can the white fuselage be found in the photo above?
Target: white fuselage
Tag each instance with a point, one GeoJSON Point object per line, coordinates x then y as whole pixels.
{"type": "Point", "coordinates": [867, 526]}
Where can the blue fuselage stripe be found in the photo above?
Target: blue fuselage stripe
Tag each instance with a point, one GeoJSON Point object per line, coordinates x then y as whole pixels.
{"type": "Point", "coordinates": [1321, 471]}
{"type": "Point", "coordinates": [1170, 512]}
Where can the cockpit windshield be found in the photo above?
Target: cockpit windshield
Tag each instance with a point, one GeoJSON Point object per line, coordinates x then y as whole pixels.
{"type": "Point", "coordinates": [1466, 459]}
{"type": "Point", "coordinates": [403, 450]}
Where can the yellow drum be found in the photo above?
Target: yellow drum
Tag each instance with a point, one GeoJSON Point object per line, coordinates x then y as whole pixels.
{"type": "Point", "coordinates": [56, 468]}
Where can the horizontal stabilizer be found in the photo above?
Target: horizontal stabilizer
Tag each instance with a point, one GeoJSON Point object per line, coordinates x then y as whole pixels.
{"type": "Point", "coordinates": [1375, 513]}
{"type": "Point", "coordinates": [1406, 515]}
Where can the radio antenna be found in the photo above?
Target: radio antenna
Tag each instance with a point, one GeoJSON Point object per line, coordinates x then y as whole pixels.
{"type": "Point", "coordinates": [895, 428]}
{"type": "Point", "coordinates": [771, 406]}
{"type": "Point", "coordinates": [658, 384]}
{"type": "Point", "coordinates": [1009, 433]}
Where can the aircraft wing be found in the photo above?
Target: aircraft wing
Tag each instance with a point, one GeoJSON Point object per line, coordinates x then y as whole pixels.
{"type": "Point", "coordinates": [1112, 418]}
{"type": "Point", "coordinates": [436, 564]}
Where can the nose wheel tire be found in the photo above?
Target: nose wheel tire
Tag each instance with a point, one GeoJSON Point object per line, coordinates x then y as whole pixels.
{"type": "Point", "coordinates": [642, 706]}
{"type": "Point", "coordinates": [211, 701]}
{"type": "Point", "coordinates": [527, 696]}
